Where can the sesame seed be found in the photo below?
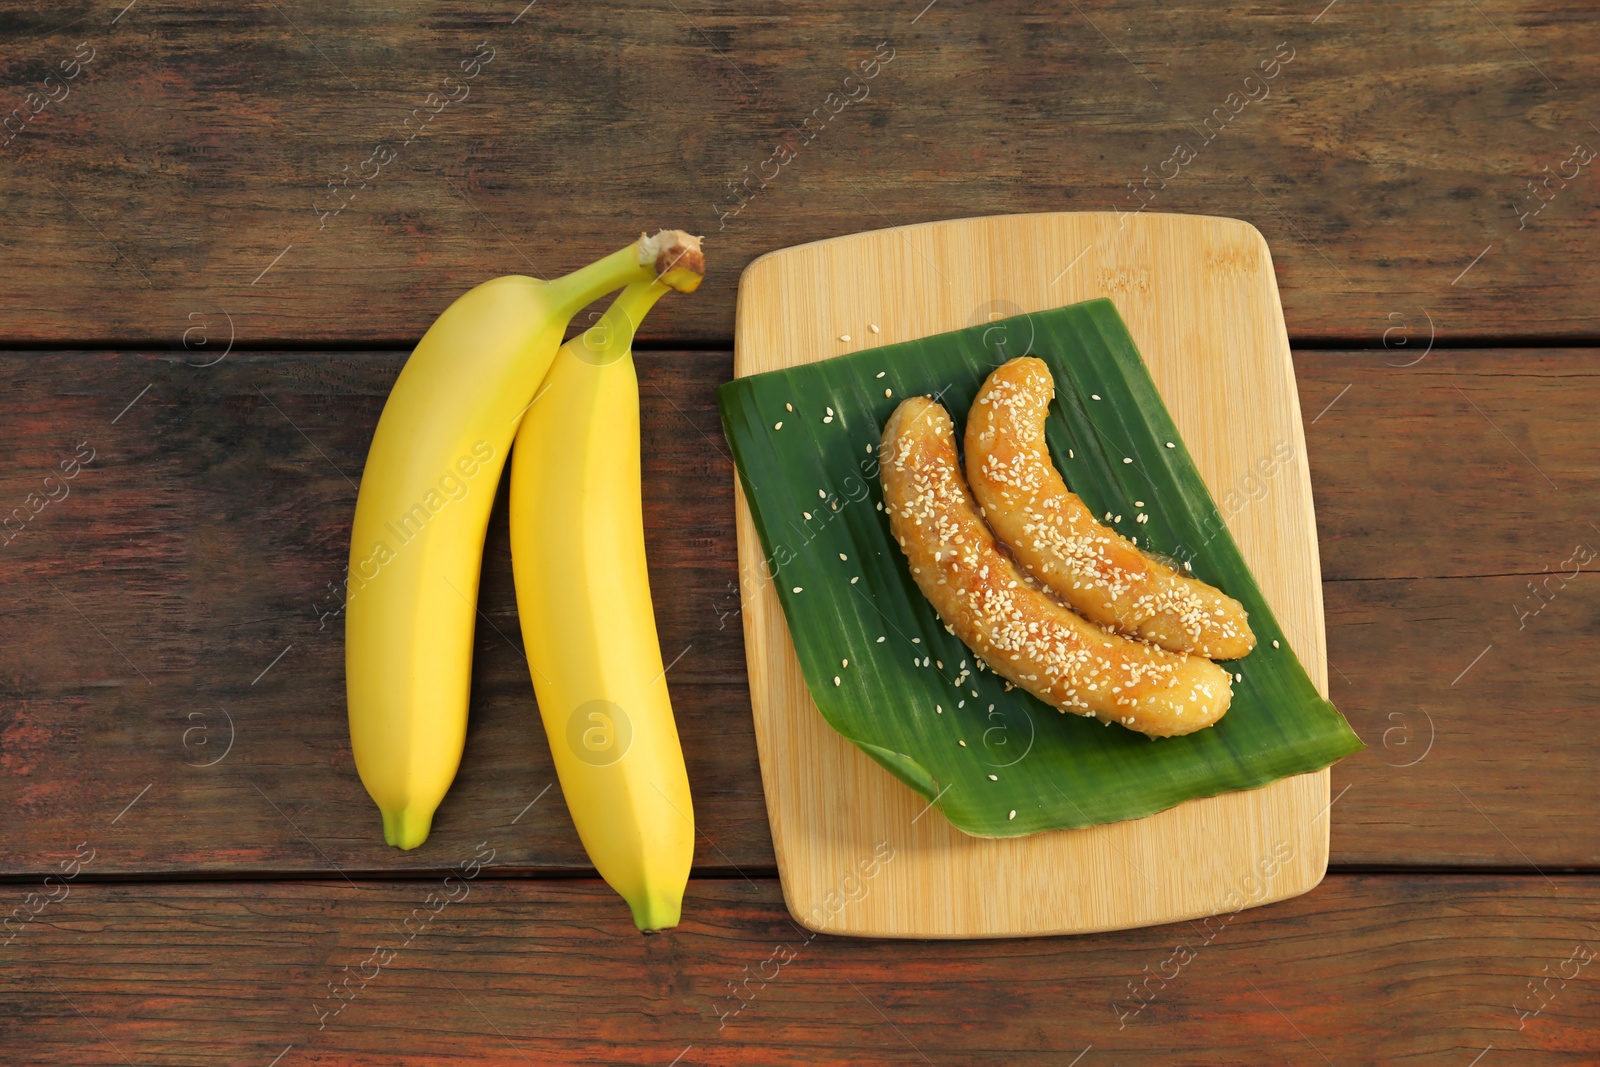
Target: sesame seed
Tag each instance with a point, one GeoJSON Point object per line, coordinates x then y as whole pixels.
{"type": "Point", "coordinates": [856, 579]}
{"type": "Point", "coordinates": [1117, 519]}
{"type": "Point", "coordinates": [994, 778]}
{"type": "Point", "coordinates": [882, 373]}
{"type": "Point", "coordinates": [1138, 503]}
{"type": "Point", "coordinates": [1013, 814]}
{"type": "Point", "coordinates": [843, 556]}
{"type": "Point", "coordinates": [807, 514]}
{"type": "Point", "coordinates": [963, 744]}
{"type": "Point", "coordinates": [778, 425]}
{"type": "Point", "coordinates": [916, 640]}
{"type": "Point", "coordinates": [1094, 396]}
{"type": "Point", "coordinates": [827, 419]}
{"type": "Point", "coordinates": [939, 708]}
{"type": "Point", "coordinates": [888, 392]}
{"type": "Point", "coordinates": [797, 589]}
{"type": "Point", "coordinates": [844, 337]}
{"type": "Point", "coordinates": [1238, 677]}
{"type": "Point", "coordinates": [1275, 643]}
{"type": "Point", "coordinates": [1070, 455]}
{"type": "Point", "coordinates": [881, 640]}
{"type": "Point", "coordinates": [1127, 459]}
{"type": "Point", "coordinates": [869, 449]}
{"type": "Point", "coordinates": [873, 327]}
{"type": "Point", "coordinates": [1171, 445]}
{"type": "Point", "coordinates": [939, 663]}
{"type": "Point", "coordinates": [836, 680]}
{"type": "Point", "coordinates": [961, 703]}
{"type": "Point", "coordinates": [844, 663]}
{"type": "Point", "coordinates": [788, 407]}
{"type": "Point", "coordinates": [821, 495]}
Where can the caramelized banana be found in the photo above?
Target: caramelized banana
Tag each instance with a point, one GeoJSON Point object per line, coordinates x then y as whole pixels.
{"type": "Point", "coordinates": [1019, 630]}
{"type": "Point", "coordinates": [1056, 539]}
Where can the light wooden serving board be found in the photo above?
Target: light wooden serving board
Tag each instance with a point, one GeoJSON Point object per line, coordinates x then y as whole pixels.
{"type": "Point", "coordinates": [858, 851]}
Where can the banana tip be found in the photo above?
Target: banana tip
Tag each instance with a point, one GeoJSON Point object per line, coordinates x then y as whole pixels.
{"type": "Point", "coordinates": [656, 912]}
{"type": "Point", "coordinates": [406, 828]}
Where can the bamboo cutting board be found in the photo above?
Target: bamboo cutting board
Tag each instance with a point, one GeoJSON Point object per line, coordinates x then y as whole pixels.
{"type": "Point", "coordinates": [858, 851]}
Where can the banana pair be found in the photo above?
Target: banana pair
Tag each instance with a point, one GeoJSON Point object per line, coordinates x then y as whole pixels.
{"type": "Point", "coordinates": [492, 370]}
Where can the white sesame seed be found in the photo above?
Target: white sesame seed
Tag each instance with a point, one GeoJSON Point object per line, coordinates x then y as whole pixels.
{"type": "Point", "coordinates": [778, 425]}
{"type": "Point", "coordinates": [1094, 396]}
{"type": "Point", "coordinates": [788, 407]}
{"type": "Point", "coordinates": [869, 449]}
{"type": "Point", "coordinates": [1171, 445]}
{"type": "Point", "coordinates": [1138, 503]}
{"type": "Point", "coordinates": [881, 640]}
{"type": "Point", "coordinates": [821, 495]}
{"type": "Point", "coordinates": [916, 640]}
{"type": "Point", "coordinates": [830, 411]}
{"type": "Point", "coordinates": [807, 514]}
{"type": "Point", "coordinates": [994, 778]}
{"type": "Point", "coordinates": [836, 680]}
{"type": "Point", "coordinates": [963, 744]}
{"type": "Point", "coordinates": [843, 556]}
{"type": "Point", "coordinates": [1013, 814]}
{"type": "Point", "coordinates": [882, 373]}
{"type": "Point", "coordinates": [873, 327]}
{"type": "Point", "coordinates": [856, 579]}
{"type": "Point", "coordinates": [1070, 455]}
{"type": "Point", "coordinates": [939, 663]}
{"type": "Point", "coordinates": [1238, 677]}
{"type": "Point", "coordinates": [844, 663]}
{"type": "Point", "coordinates": [1127, 459]}
{"type": "Point", "coordinates": [844, 337]}
{"type": "Point", "coordinates": [888, 392]}
{"type": "Point", "coordinates": [1117, 519]}
{"type": "Point", "coordinates": [797, 589]}
{"type": "Point", "coordinates": [827, 419]}
{"type": "Point", "coordinates": [1275, 643]}
{"type": "Point", "coordinates": [939, 708]}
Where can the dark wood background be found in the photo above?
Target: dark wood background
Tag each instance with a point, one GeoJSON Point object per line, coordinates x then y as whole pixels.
{"type": "Point", "coordinates": [180, 302]}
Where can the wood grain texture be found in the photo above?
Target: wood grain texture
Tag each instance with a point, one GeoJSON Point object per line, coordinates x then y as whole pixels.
{"type": "Point", "coordinates": [193, 165]}
{"type": "Point", "coordinates": [202, 537]}
{"type": "Point", "coordinates": [1468, 462]}
{"type": "Point", "coordinates": [1203, 309]}
{"type": "Point", "coordinates": [1405, 970]}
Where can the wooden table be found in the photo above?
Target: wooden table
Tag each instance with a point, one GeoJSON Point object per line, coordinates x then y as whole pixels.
{"type": "Point", "coordinates": [202, 317]}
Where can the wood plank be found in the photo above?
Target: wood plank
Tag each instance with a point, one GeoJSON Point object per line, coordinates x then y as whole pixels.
{"type": "Point", "coordinates": [201, 539]}
{"type": "Point", "coordinates": [1421, 969]}
{"type": "Point", "coordinates": [1210, 330]}
{"type": "Point", "coordinates": [193, 165]}
{"type": "Point", "coordinates": [1469, 462]}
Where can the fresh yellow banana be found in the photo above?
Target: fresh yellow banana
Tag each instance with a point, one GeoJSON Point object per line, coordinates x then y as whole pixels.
{"type": "Point", "coordinates": [583, 594]}
{"type": "Point", "coordinates": [416, 546]}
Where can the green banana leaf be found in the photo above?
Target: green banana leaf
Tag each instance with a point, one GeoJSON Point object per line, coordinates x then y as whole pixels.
{"type": "Point", "coordinates": [848, 594]}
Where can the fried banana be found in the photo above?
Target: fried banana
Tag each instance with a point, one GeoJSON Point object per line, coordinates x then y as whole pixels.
{"type": "Point", "coordinates": [1018, 629]}
{"type": "Point", "coordinates": [1057, 540]}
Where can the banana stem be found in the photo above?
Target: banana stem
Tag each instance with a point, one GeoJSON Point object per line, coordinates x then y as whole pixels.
{"type": "Point", "coordinates": [611, 338]}
{"type": "Point", "coordinates": [671, 255]}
